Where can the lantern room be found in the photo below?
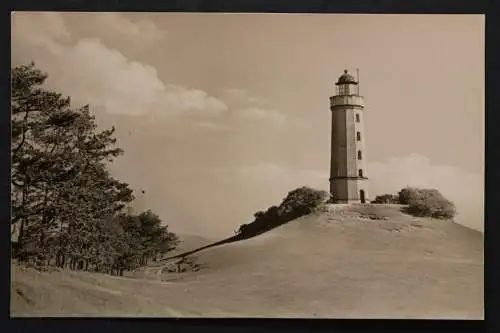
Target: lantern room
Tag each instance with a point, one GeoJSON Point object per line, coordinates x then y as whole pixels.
{"type": "Point", "coordinates": [347, 85]}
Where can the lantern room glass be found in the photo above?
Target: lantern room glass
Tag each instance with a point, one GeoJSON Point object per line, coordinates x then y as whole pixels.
{"type": "Point", "coordinates": [347, 89]}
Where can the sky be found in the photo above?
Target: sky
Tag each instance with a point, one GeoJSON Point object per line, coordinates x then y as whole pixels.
{"type": "Point", "coordinates": [220, 115]}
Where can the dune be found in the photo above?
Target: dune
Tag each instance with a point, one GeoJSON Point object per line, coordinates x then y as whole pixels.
{"type": "Point", "coordinates": [361, 261]}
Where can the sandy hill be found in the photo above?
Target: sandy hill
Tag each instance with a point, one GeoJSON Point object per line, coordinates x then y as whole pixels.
{"type": "Point", "coordinates": [357, 262]}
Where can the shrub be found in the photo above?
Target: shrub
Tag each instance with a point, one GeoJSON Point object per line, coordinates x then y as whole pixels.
{"type": "Point", "coordinates": [298, 202]}
{"type": "Point", "coordinates": [427, 203]}
{"type": "Point", "coordinates": [259, 215]}
{"type": "Point", "coordinates": [302, 201]}
{"type": "Point", "coordinates": [272, 213]}
{"type": "Point", "coordinates": [386, 199]}
{"type": "Point", "coordinates": [408, 194]}
{"type": "Point", "coordinates": [243, 228]}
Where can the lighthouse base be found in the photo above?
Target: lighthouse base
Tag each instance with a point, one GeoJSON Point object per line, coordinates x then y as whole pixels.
{"type": "Point", "coordinates": [353, 201]}
{"type": "Point", "coordinates": [346, 201]}
{"type": "Point", "coordinates": [348, 190]}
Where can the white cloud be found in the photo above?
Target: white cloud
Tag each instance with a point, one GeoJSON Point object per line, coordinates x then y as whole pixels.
{"type": "Point", "coordinates": [46, 30]}
{"type": "Point", "coordinates": [236, 96]}
{"type": "Point", "coordinates": [250, 107]}
{"type": "Point", "coordinates": [463, 188]}
{"type": "Point", "coordinates": [90, 72]}
{"type": "Point", "coordinates": [246, 106]}
{"type": "Point", "coordinates": [117, 26]}
{"type": "Point", "coordinates": [193, 99]}
{"type": "Point", "coordinates": [263, 114]}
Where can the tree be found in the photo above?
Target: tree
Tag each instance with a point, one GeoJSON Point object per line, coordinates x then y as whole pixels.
{"type": "Point", "coordinates": [67, 206]}
{"type": "Point", "coordinates": [31, 108]}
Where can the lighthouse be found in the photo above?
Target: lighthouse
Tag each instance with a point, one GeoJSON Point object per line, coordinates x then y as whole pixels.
{"type": "Point", "coordinates": [348, 176]}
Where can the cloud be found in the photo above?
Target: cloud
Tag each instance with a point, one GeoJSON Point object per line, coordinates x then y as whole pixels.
{"type": "Point", "coordinates": [91, 72]}
{"type": "Point", "coordinates": [465, 189]}
{"type": "Point", "coordinates": [113, 25]}
{"type": "Point", "coordinates": [262, 115]}
{"type": "Point", "coordinates": [249, 107]}
{"type": "Point", "coordinates": [193, 99]}
{"type": "Point", "coordinates": [40, 30]}
{"type": "Point", "coordinates": [236, 96]}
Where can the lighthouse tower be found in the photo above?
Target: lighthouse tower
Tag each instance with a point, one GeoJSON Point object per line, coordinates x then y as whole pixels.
{"type": "Point", "coordinates": [348, 179]}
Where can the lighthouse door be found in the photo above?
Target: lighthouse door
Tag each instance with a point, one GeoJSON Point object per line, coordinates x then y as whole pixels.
{"type": "Point", "coordinates": [362, 196]}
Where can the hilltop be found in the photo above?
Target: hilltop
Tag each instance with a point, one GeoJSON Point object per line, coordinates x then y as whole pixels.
{"type": "Point", "coordinates": [357, 261]}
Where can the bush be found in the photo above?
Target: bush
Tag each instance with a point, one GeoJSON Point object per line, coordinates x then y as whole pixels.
{"type": "Point", "coordinates": [259, 215]}
{"type": "Point", "coordinates": [386, 199]}
{"type": "Point", "coordinates": [298, 202]}
{"type": "Point", "coordinates": [302, 201]}
{"type": "Point", "coordinates": [426, 203]}
{"type": "Point", "coordinates": [408, 194]}
{"type": "Point", "coordinates": [243, 229]}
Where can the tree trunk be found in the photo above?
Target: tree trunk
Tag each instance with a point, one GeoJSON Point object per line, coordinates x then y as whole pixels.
{"type": "Point", "coordinates": [42, 245]}
{"type": "Point", "coordinates": [20, 239]}
{"type": "Point", "coordinates": [20, 242]}
{"type": "Point", "coordinates": [45, 217]}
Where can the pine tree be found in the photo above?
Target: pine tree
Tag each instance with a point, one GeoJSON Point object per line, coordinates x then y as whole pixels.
{"type": "Point", "coordinates": [68, 208]}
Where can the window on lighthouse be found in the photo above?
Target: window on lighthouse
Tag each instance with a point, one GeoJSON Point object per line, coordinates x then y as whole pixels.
{"type": "Point", "coordinates": [347, 89]}
{"type": "Point", "coordinates": [360, 156]}
{"type": "Point", "coordinates": [358, 136]}
{"type": "Point", "coordinates": [360, 172]}
{"type": "Point", "coordinates": [357, 117]}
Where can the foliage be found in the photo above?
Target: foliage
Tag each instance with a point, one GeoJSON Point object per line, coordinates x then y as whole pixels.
{"type": "Point", "coordinates": [386, 199]}
{"type": "Point", "coordinates": [298, 202]}
{"type": "Point", "coordinates": [66, 205]}
{"type": "Point", "coordinates": [302, 201]}
{"type": "Point", "coordinates": [426, 202]}
{"type": "Point", "coordinates": [408, 194]}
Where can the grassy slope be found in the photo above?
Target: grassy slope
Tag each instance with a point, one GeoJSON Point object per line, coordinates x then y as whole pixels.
{"type": "Point", "coordinates": [335, 265]}
{"type": "Point", "coordinates": [187, 243]}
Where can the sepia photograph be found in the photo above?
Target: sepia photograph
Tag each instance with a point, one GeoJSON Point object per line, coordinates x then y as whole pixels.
{"type": "Point", "coordinates": [255, 165]}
